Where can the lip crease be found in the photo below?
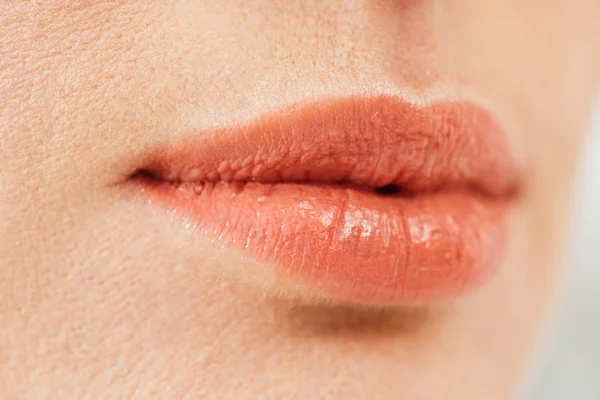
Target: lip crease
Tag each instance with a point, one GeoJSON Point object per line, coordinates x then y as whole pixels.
{"type": "Point", "coordinates": [371, 200]}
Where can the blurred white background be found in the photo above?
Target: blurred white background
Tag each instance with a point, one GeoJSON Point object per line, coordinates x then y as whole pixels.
{"type": "Point", "coordinates": [570, 368]}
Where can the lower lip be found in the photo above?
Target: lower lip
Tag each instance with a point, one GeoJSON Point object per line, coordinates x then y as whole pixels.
{"type": "Point", "coordinates": [351, 244]}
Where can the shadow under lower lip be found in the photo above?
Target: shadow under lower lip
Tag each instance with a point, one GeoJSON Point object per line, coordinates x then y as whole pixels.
{"type": "Point", "coordinates": [350, 320]}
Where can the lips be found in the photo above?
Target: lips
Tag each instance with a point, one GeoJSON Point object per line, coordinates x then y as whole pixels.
{"type": "Point", "coordinates": [370, 200]}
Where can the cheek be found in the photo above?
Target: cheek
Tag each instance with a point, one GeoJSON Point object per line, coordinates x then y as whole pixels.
{"type": "Point", "coordinates": [540, 65]}
{"type": "Point", "coordinates": [539, 60]}
{"type": "Point", "coordinates": [71, 89]}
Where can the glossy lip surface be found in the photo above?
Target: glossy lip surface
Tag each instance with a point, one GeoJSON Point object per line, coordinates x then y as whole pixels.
{"type": "Point", "coordinates": [370, 200]}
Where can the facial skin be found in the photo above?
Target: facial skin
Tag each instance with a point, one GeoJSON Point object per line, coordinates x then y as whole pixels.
{"type": "Point", "coordinates": [106, 299]}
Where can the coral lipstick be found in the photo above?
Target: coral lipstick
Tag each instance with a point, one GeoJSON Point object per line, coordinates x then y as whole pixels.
{"type": "Point", "coordinates": [370, 200]}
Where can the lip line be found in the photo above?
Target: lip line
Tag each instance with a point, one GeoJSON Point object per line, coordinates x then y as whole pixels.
{"type": "Point", "coordinates": [146, 178]}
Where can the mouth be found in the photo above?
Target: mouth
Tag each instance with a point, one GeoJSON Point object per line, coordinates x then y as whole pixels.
{"type": "Point", "coordinates": [369, 200]}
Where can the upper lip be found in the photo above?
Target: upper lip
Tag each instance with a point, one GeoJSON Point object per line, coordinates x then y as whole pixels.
{"type": "Point", "coordinates": [372, 142]}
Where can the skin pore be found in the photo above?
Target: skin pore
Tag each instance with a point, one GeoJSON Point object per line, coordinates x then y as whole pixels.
{"type": "Point", "coordinates": [103, 298]}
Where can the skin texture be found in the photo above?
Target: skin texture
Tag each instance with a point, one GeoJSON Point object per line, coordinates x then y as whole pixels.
{"type": "Point", "coordinates": [106, 299]}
